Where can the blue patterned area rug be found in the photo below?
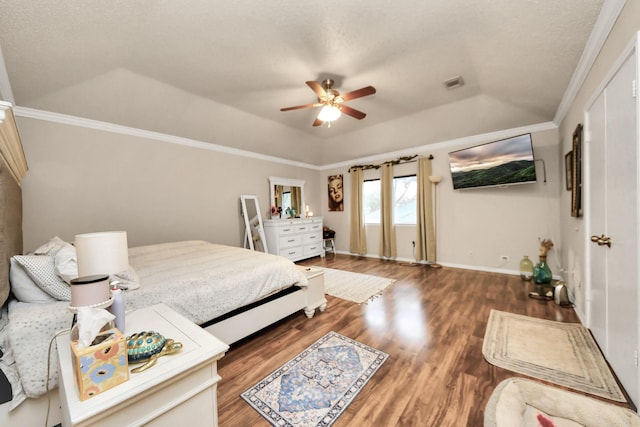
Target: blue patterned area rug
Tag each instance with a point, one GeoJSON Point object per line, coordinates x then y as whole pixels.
{"type": "Point", "coordinates": [317, 385]}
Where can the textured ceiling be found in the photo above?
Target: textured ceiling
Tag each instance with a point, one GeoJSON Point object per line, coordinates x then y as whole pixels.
{"type": "Point", "coordinates": [219, 71]}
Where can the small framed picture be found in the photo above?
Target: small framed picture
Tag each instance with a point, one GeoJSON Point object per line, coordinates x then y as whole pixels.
{"type": "Point", "coordinates": [568, 170]}
{"type": "Point", "coordinates": [335, 193]}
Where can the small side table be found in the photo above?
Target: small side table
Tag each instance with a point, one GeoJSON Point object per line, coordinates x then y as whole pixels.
{"type": "Point", "coordinates": [179, 390]}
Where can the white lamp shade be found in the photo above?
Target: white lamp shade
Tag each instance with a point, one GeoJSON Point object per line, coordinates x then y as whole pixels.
{"type": "Point", "coordinates": [102, 253]}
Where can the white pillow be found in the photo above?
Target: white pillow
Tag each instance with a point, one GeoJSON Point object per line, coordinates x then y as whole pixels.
{"type": "Point", "coordinates": [66, 263]}
{"type": "Point", "coordinates": [51, 247]}
{"type": "Point", "coordinates": [24, 288]}
{"type": "Point", "coordinates": [42, 270]}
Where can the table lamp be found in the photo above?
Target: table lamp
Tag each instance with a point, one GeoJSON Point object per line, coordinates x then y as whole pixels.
{"type": "Point", "coordinates": [99, 255]}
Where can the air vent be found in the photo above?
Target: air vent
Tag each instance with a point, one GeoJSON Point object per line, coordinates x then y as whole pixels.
{"type": "Point", "coordinates": [454, 82]}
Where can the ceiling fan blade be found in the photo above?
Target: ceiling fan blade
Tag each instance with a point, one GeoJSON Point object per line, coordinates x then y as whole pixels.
{"type": "Point", "coordinates": [369, 90]}
{"type": "Point", "coordinates": [352, 112]}
{"type": "Point", "coordinates": [299, 107]}
{"type": "Point", "coordinates": [317, 88]}
{"type": "Point", "coordinates": [317, 122]}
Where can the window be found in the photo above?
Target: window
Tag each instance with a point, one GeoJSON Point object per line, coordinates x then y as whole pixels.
{"type": "Point", "coordinates": [405, 191]}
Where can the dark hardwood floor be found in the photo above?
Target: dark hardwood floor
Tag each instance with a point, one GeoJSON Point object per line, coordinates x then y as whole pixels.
{"type": "Point", "coordinates": [431, 322]}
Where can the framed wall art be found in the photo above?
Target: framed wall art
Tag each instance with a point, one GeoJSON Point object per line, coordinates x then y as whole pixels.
{"type": "Point", "coordinates": [568, 170]}
{"type": "Point", "coordinates": [335, 193]}
{"type": "Point", "coordinates": [576, 173]}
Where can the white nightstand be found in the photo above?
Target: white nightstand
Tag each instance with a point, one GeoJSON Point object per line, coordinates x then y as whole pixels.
{"type": "Point", "coordinates": [314, 292]}
{"type": "Point", "coordinates": [179, 390]}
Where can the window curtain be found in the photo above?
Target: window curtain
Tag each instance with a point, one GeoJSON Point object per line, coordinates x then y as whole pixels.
{"type": "Point", "coordinates": [10, 146]}
{"type": "Point", "coordinates": [387, 229]}
{"type": "Point", "coordinates": [357, 234]}
{"type": "Point", "coordinates": [425, 235]}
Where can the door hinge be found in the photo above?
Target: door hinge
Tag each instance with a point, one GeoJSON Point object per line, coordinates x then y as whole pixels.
{"type": "Point", "coordinates": [635, 358]}
{"type": "Point", "coordinates": [634, 88]}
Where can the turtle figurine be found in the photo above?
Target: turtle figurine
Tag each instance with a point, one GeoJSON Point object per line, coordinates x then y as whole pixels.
{"type": "Point", "coordinates": [146, 346]}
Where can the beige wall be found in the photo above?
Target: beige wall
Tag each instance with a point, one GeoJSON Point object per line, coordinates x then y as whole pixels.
{"type": "Point", "coordinates": [84, 180]}
{"type": "Point", "coordinates": [476, 227]}
{"type": "Point", "coordinates": [573, 232]}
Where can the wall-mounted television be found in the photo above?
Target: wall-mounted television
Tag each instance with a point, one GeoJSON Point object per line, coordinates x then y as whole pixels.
{"type": "Point", "coordinates": [499, 163]}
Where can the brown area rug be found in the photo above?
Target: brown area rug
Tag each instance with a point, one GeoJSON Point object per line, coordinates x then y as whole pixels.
{"type": "Point", "coordinates": [561, 353]}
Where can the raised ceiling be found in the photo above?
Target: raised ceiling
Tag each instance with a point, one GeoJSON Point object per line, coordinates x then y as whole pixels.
{"type": "Point", "coordinates": [219, 71]}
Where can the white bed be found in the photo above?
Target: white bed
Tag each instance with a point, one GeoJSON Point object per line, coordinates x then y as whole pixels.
{"type": "Point", "coordinates": [231, 292]}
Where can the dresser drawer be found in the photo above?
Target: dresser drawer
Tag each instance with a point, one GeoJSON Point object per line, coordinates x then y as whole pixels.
{"type": "Point", "coordinates": [291, 240]}
{"type": "Point", "coordinates": [312, 249]}
{"type": "Point", "coordinates": [291, 253]}
{"type": "Point", "coordinates": [286, 229]}
{"type": "Point", "coordinates": [317, 226]}
{"type": "Point", "coordinates": [301, 228]}
{"type": "Point", "coordinates": [311, 238]}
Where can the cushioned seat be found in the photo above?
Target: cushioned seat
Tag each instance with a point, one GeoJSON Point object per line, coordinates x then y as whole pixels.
{"type": "Point", "coordinates": [521, 402]}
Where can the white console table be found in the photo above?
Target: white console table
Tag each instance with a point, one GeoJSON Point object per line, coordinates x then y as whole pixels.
{"type": "Point", "coordinates": [179, 390]}
{"type": "Point", "coordinates": [296, 238]}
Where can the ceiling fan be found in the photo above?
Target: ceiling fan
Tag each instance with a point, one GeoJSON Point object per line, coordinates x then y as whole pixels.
{"type": "Point", "coordinates": [332, 102]}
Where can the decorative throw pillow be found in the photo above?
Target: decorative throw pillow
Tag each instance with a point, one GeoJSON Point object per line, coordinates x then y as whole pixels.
{"type": "Point", "coordinates": [42, 270]}
{"type": "Point", "coordinates": [24, 288]}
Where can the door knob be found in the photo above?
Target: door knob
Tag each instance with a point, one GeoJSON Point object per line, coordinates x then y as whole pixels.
{"type": "Point", "coordinates": [601, 240]}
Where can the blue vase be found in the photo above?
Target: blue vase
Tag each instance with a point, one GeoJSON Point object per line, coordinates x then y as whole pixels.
{"type": "Point", "coordinates": [542, 272]}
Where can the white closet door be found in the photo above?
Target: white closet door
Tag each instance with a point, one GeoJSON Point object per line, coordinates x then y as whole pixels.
{"type": "Point", "coordinates": [613, 212]}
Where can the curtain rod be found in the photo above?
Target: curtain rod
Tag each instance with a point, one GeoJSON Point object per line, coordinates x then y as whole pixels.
{"type": "Point", "coordinates": [399, 160]}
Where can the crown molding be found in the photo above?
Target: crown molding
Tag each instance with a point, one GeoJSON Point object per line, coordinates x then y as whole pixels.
{"type": "Point", "coordinates": [452, 143]}
{"type": "Point", "coordinates": [608, 16]}
{"type": "Point", "coordinates": [65, 119]}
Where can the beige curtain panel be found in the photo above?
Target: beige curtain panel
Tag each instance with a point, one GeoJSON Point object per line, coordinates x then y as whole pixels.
{"type": "Point", "coordinates": [387, 229]}
{"type": "Point", "coordinates": [425, 231]}
{"type": "Point", "coordinates": [10, 146]}
{"type": "Point", "coordinates": [357, 234]}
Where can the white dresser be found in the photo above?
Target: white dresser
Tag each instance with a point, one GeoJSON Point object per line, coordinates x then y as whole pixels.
{"type": "Point", "coordinates": [295, 239]}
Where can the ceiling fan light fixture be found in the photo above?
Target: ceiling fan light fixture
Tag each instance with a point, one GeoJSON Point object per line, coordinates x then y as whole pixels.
{"type": "Point", "coordinates": [329, 113]}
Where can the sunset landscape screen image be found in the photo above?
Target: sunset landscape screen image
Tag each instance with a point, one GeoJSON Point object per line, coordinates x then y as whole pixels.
{"type": "Point", "coordinates": [505, 162]}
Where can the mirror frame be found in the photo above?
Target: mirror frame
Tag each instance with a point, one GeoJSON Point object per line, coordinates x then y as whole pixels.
{"type": "Point", "coordinates": [253, 224]}
{"type": "Point", "coordinates": [274, 180]}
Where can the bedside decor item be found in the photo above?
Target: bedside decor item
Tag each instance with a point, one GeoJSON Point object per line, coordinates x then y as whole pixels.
{"type": "Point", "coordinates": [317, 385]}
{"type": "Point", "coordinates": [541, 272]}
{"type": "Point", "coordinates": [100, 366]}
{"type": "Point", "coordinates": [526, 268]}
{"type": "Point", "coordinates": [146, 346]}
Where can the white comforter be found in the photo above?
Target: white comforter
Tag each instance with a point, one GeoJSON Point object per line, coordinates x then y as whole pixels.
{"type": "Point", "coordinates": [199, 280]}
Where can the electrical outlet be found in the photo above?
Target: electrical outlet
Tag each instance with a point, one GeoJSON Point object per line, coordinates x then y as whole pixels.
{"type": "Point", "coordinates": [413, 242]}
{"type": "Point", "coordinates": [504, 258]}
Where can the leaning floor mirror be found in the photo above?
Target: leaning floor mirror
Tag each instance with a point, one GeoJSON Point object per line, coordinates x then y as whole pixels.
{"type": "Point", "coordinates": [254, 237]}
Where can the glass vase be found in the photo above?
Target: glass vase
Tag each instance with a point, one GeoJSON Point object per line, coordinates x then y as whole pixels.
{"type": "Point", "coordinates": [526, 268]}
{"type": "Point", "coordinates": [542, 272]}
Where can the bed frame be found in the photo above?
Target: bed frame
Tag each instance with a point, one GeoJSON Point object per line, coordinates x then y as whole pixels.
{"type": "Point", "coordinates": [230, 328]}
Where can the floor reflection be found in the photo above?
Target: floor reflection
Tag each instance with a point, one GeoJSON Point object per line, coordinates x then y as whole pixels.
{"type": "Point", "coordinates": [399, 311]}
